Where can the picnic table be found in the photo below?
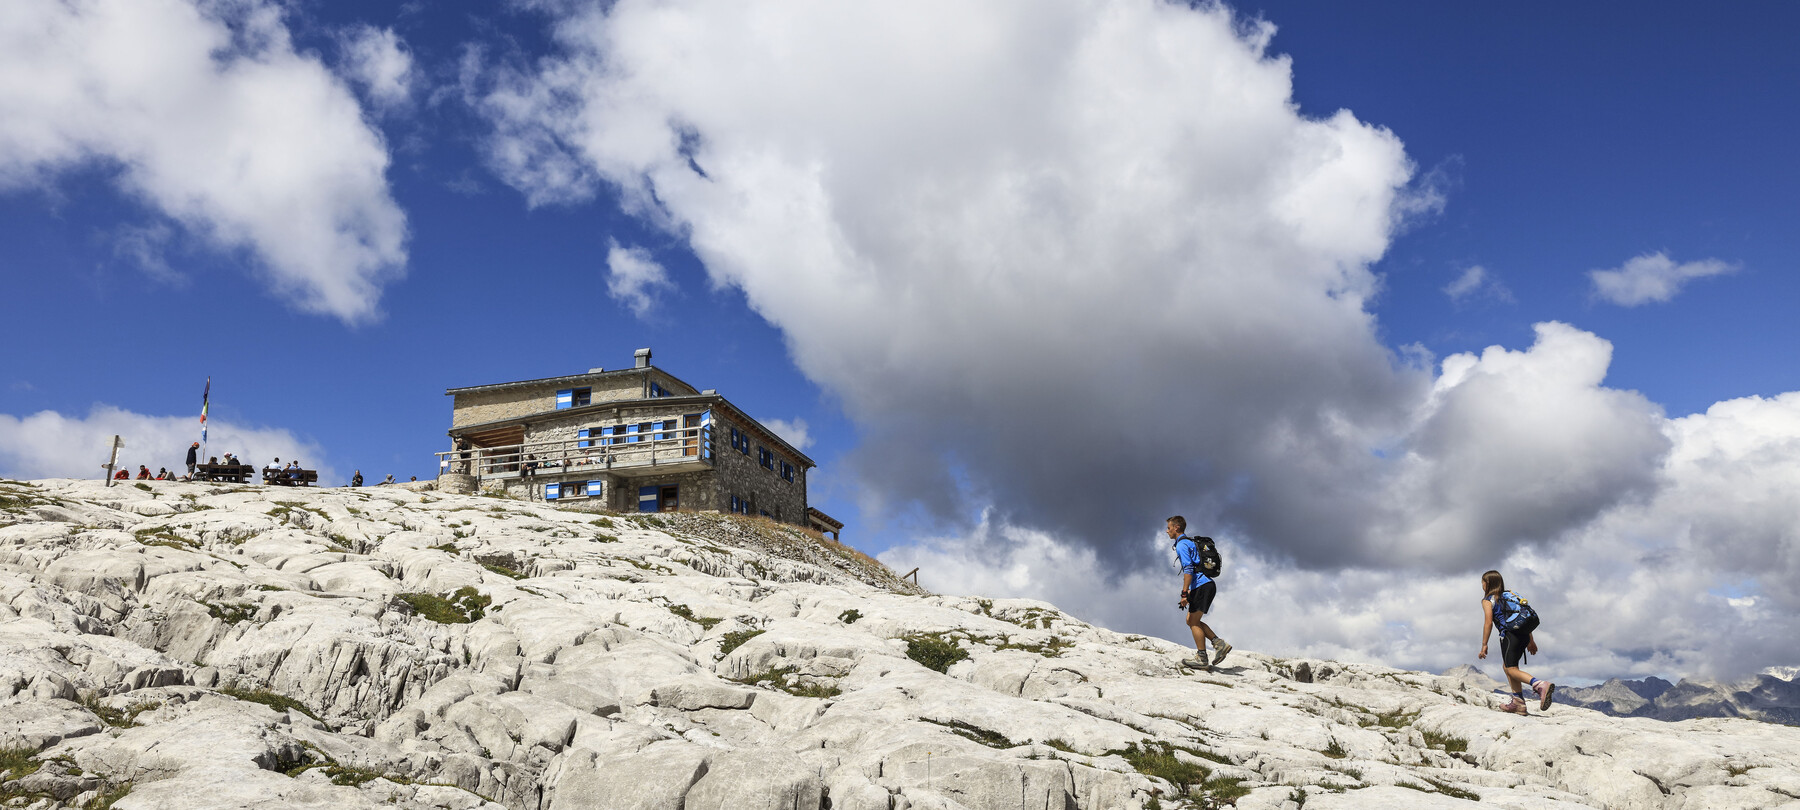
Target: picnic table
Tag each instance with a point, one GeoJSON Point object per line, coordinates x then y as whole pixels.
{"type": "Point", "coordinates": [235, 473]}
{"type": "Point", "coordinates": [290, 478]}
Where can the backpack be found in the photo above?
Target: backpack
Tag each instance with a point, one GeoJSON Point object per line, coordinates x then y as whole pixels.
{"type": "Point", "coordinates": [1512, 611]}
{"type": "Point", "coordinates": [1210, 562]}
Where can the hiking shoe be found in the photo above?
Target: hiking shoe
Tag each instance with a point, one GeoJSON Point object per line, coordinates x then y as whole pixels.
{"type": "Point", "coordinates": [1221, 648]}
{"type": "Point", "coordinates": [1544, 690]}
{"type": "Point", "coordinates": [1196, 663]}
{"type": "Point", "coordinates": [1515, 706]}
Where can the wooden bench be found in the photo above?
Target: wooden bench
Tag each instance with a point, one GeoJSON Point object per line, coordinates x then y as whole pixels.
{"type": "Point", "coordinates": [235, 473]}
{"type": "Point", "coordinates": [290, 478]}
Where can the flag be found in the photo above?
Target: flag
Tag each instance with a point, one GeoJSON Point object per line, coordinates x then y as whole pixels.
{"type": "Point", "coordinates": [205, 400]}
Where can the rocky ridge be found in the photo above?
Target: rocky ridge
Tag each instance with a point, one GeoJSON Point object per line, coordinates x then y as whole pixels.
{"type": "Point", "coordinates": [199, 646]}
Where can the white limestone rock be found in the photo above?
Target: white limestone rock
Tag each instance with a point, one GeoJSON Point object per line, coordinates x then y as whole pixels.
{"type": "Point", "coordinates": [237, 647]}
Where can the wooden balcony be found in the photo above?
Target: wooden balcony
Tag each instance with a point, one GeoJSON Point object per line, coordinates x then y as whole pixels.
{"type": "Point", "coordinates": [658, 452]}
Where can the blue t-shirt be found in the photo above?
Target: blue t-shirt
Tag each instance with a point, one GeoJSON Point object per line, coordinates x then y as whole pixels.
{"type": "Point", "coordinates": [1187, 556]}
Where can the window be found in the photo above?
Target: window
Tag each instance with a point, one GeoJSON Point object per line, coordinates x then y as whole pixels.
{"type": "Point", "coordinates": [659, 391]}
{"type": "Point", "coordinates": [573, 397]}
{"type": "Point", "coordinates": [568, 489]}
{"type": "Point", "coordinates": [787, 471]}
{"type": "Point", "coordinates": [765, 458]}
{"type": "Point", "coordinates": [740, 441]}
{"type": "Point", "coordinates": [583, 434]}
{"type": "Point", "coordinates": [671, 498]}
{"type": "Point", "coordinates": [740, 506]}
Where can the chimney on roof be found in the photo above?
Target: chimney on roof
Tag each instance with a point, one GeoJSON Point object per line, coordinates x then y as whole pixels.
{"type": "Point", "coordinates": [643, 357]}
{"type": "Point", "coordinates": [596, 370]}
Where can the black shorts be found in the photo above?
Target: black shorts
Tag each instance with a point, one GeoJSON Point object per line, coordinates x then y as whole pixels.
{"type": "Point", "coordinates": [1512, 642]}
{"type": "Point", "coordinates": [1201, 596]}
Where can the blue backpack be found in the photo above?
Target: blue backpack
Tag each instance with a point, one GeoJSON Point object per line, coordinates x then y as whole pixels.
{"type": "Point", "coordinates": [1512, 611]}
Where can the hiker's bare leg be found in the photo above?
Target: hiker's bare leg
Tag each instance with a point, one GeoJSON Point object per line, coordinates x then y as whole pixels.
{"type": "Point", "coordinates": [1516, 678]}
{"type": "Point", "coordinates": [1200, 630]}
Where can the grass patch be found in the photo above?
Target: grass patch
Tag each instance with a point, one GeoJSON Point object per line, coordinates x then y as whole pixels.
{"type": "Point", "coordinates": [604, 523]}
{"type": "Point", "coordinates": [687, 613]}
{"type": "Point", "coordinates": [850, 616]}
{"type": "Point", "coordinates": [1062, 745]}
{"type": "Point", "coordinates": [1226, 789]}
{"type": "Point", "coordinates": [143, 486]}
{"type": "Point", "coordinates": [1454, 745]}
{"type": "Point", "coordinates": [274, 700]}
{"type": "Point", "coordinates": [1738, 770]}
{"type": "Point", "coordinates": [162, 536]}
{"type": "Point", "coordinates": [991, 739]}
{"type": "Point", "coordinates": [270, 588]}
{"type": "Point", "coordinates": [1335, 750]}
{"type": "Point", "coordinates": [229, 613]}
{"type": "Point", "coordinates": [19, 762]}
{"type": "Point", "coordinates": [464, 606]}
{"type": "Point", "coordinates": [107, 798]}
{"type": "Point", "coordinates": [787, 679]}
{"type": "Point", "coordinates": [504, 571]}
{"type": "Point", "coordinates": [735, 639]}
{"type": "Point", "coordinates": [1158, 760]}
{"type": "Point", "coordinates": [447, 548]}
{"type": "Point", "coordinates": [934, 651]}
{"type": "Point", "coordinates": [1394, 720]}
{"type": "Point", "coordinates": [1049, 649]}
{"type": "Point", "coordinates": [602, 537]}
{"type": "Point", "coordinates": [1453, 791]}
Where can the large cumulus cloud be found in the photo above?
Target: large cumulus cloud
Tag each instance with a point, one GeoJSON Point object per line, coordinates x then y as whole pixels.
{"type": "Point", "coordinates": [206, 113]}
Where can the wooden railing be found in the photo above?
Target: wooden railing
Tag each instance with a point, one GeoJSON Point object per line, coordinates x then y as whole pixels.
{"type": "Point", "coordinates": [650, 449]}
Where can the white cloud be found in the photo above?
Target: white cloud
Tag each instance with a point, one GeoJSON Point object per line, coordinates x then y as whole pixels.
{"type": "Point", "coordinates": [1474, 282]}
{"type": "Point", "coordinates": [1651, 278]}
{"type": "Point", "coordinates": [208, 115]}
{"type": "Point", "coordinates": [48, 444]}
{"type": "Point", "coordinates": [376, 59]}
{"type": "Point", "coordinates": [634, 278]}
{"type": "Point", "coordinates": [146, 246]}
{"type": "Point", "coordinates": [795, 432]}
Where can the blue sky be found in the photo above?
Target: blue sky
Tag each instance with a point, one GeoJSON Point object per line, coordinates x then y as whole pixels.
{"type": "Point", "coordinates": [1536, 143]}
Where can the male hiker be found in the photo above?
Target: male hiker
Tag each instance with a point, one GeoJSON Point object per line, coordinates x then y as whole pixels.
{"type": "Point", "coordinates": [193, 458]}
{"type": "Point", "coordinates": [1196, 557]}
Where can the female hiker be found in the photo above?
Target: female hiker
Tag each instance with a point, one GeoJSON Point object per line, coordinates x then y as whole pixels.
{"type": "Point", "coordinates": [1516, 619]}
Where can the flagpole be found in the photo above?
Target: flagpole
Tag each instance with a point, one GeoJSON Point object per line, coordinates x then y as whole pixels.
{"type": "Point", "coordinates": [205, 402]}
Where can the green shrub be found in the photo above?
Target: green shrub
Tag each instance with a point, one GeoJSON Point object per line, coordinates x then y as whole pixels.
{"type": "Point", "coordinates": [503, 571]}
{"type": "Point", "coordinates": [735, 639]}
{"type": "Point", "coordinates": [143, 486]}
{"type": "Point", "coordinates": [934, 651]}
{"type": "Point", "coordinates": [464, 606]}
{"type": "Point", "coordinates": [850, 616]}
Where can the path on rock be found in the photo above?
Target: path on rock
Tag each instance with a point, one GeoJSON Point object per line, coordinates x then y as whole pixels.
{"type": "Point", "coordinates": [203, 646]}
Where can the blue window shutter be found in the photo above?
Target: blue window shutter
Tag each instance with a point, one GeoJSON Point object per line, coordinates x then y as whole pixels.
{"type": "Point", "coordinates": [594, 489]}
{"type": "Point", "coordinates": [606, 434]}
{"type": "Point", "coordinates": [630, 433]}
{"type": "Point", "coordinates": [582, 435]}
{"type": "Point", "coordinates": [565, 398]}
{"type": "Point", "coordinates": [647, 499]}
{"type": "Point", "coordinates": [705, 434]}
{"type": "Point", "coordinates": [552, 491]}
